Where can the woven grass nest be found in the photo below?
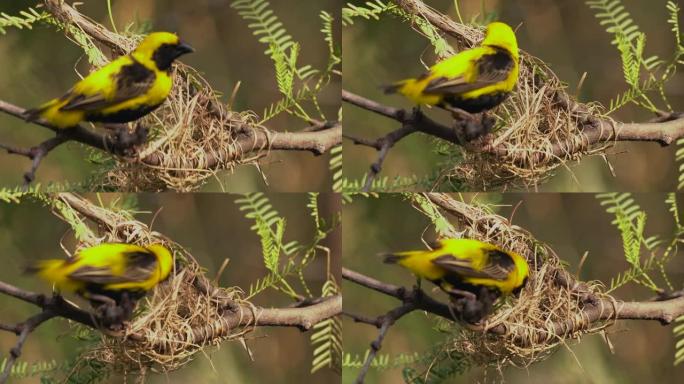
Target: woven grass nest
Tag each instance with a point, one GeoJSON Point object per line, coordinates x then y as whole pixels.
{"type": "Point", "coordinates": [179, 318]}
{"type": "Point", "coordinates": [524, 325]}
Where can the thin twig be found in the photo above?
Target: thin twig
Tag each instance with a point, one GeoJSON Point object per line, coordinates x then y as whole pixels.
{"type": "Point", "coordinates": [26, 327]}
{"type": "Point", "coordinates": [385, 323]}
{"type": "Point", "coordinates": [374, 321]}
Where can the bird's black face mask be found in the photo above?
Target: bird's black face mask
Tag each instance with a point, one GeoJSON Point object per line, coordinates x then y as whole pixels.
{"type": "Point", "coordinates": [165, 55]}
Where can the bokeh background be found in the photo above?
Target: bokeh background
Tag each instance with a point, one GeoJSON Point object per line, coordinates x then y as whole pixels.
{"type": "Point", "coordinates": [563, 33]}
{"type": "Point", "coordinates": [571, 224]}
{"type": "Point", "coordinates": [40, 64]}
{"type": "Point", "coordinates": [211, 228]}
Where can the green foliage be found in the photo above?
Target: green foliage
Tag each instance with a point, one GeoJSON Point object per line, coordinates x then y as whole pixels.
{"type": "Point", "coordinates": [381, 361]}
{"type": "Point", "coordinates": [679, 156]}
{"type": "Point", "coordinates": [383, 183]}
{"type": "Point", "coordinates": [83, 40]}
{"type": "Point", "coordinates": [442, 226]}
{"type": "Point", "coordinates": [335, 167]}
{"type": "Point", "coordinates": [26, 19]}
{"type": "Point", "coordinates": [284, 260]}
{"type": "Point", "coordinates": [14, 195]}
{"type": "Point", "coordinates": [431, 367]}
{"type": "Point", "coordinates": [348, 197]}
{"type": "Point", "coordinates": [646, 255]}
{"type": "Point", "coordinates": [441, 47]}
{"type": "Point", "coordinates": [328, 36]}
{"type": "Point", "coordinates": [438, 367]}
{"type": "Point", "coordinates": [678, 332]}
{"type": "Point", "coordinates": [78, 370]}
{"type": "Point", "coordinates": [270, 228]}
{"type": "Point", "coordinates": [327, 336]}
{"type": "Point", "coordinates": [298, 84]}
{"type": "Point", "coordinates": [370, 11]}
{"type": "Point", "coordinates": [644, 75]}
{"type": "Point", "coordinates": [23, 369]}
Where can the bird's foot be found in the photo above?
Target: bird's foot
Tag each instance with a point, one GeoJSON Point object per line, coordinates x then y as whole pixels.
{"type": "Point", "coordinates": [458, 113]}
{"type": "Point", "coordinates": [96, 299]}
{"type": "Point", "coordinates": [469, 308]}
{"type": "Point", "coordinates": [461, 293]}
{"type": "Point", "coordinates": [126, 140]}
{"type": "Point", "coordinates": [487, 122]}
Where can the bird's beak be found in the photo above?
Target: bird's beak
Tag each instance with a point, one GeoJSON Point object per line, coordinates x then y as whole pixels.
{"type": "Point", "coordinates": [183, 48]}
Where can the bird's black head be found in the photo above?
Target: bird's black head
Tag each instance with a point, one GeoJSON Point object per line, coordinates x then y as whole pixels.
{"type": "Point", "coordinates": [165, 54]}
{"type": "Point", "coordinates": [162, 48]}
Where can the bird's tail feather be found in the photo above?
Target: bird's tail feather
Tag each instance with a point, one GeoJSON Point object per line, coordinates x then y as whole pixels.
{"type": "Point", "coordinates": [394, 87]}
{"type": "Point", "coordinates": [41, 267]}
{"type": "Point", "coordinates": [34, 114]}
{"type": "Point", "coordinates": [394, 258]}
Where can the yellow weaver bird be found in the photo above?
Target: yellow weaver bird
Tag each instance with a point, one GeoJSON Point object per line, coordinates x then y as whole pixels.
{"type": "Point", "coordinates": [472, 272]}
{"type": "Point", "coordinates": [107, 272]}
{"type": "Point", "coordinates": [474, 80]}
{"type": "Point", "coordinates": [124, 90]}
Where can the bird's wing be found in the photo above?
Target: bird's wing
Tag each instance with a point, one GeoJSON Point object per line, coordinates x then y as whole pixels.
{"type": "Point", "coordinates": [499, 263]}
{"type": "Point", "coordinates": [491, 69]}
{"type": "Point", "coordinates": [464, 268]}
{"type": "Point", "coordinates": [132, 80]}
{"type": "Point", "coordinates": [139, 266]}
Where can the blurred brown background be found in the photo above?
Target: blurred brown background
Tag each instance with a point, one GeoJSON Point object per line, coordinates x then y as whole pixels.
{"type": "Point", "coordinates": [211, 228]}
{"type": "Point", "coordinates": [39, 64]}
{"type": "Point", "coordinates": [563, 33]}
{"type": "Point", "coordinates": [571, 224]}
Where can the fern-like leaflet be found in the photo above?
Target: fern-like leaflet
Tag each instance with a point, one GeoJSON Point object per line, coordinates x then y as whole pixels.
{"type": "Point", "coordinates": [269, 226]}
{"type": "Point", "coordinates": [442, 226]}
{"type": "Point", "coordinates": [26, 19]}
{"type": "Point", "coordinates": [678, 332]}
{"type": "Point", "coordinates": [291, 78]}
{"type": "Point", "coordinates": [23, 369]}
{"type": "Point", "coordinates": [335, 166]}
{"type": "Point", "coordinates": [644, 254]}
{"type": "Point", "coordinates": [327, 336]}
{"type": "Point", "coordinates": [631, 43]}
{"type": "Point", "coordinates": [371, 10]}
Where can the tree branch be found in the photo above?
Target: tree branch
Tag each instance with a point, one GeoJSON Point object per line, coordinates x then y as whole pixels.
{"type": "Point", "coordinates": [664, 311]}
{"type": "Point", "coordinates": [385, 321]}
{"type": "Point", "coordinates": [595, 132]}
{"type": "Point", "coordinates": [249, 140]}
{"type": "Point", "coordinates": [303, 318]}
